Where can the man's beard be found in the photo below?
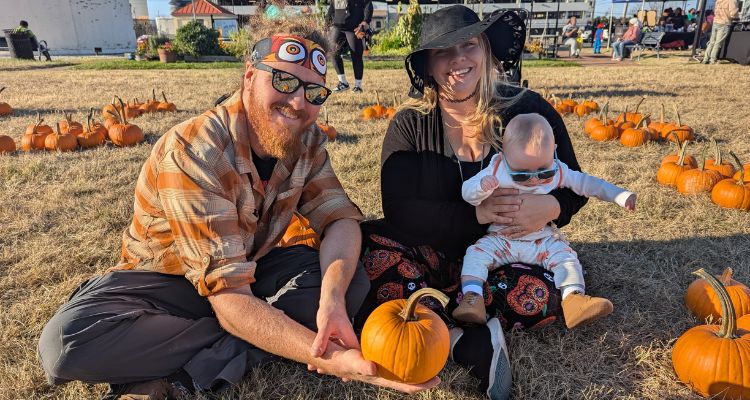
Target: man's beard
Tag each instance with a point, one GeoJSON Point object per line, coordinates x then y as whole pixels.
{"type": "Point", "coordinates": [279, 141]}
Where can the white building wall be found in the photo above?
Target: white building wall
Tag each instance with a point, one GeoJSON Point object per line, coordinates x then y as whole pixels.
{"type": "Point", "coordinates": [74, 26]}
{"type": "Point", "coordinates": [140, 8]}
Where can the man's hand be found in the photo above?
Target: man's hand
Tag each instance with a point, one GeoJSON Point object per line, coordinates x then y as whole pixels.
{"type": "Point", "coordinates": [333, 325]}
{"type": "Point", "coordinates": [535, 212]}
{"type": "Point", "coordinates": [493, 208]}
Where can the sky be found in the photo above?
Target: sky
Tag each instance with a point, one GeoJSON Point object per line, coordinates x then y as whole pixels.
{"type": "Point", "coordinates": [161, 7]}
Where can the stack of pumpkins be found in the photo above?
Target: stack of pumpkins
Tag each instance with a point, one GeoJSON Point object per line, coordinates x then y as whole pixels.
{"type": "Point", "coordinates": [714, 360]}
{"type": "Point", "coordinates": [633, 129]}
{"type": "Point", "coordinates": [729, 188]}
{"type": "Point", "coordinates": [377, 111]}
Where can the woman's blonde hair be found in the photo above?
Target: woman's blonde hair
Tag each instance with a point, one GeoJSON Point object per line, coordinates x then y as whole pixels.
{"type": "Point", "coordinates": [489, 104]}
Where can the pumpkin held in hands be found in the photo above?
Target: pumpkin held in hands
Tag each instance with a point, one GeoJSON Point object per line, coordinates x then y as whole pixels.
{"type": "Point", "coordinates": [713, 359]}
{"type": "Point", "coordinates": [408, 341]}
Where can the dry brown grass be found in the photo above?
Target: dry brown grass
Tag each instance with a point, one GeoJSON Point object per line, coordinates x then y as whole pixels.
{"type": "Point", "coordinates": [62, 214]}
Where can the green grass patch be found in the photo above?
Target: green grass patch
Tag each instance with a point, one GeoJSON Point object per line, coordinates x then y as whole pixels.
{"type": "Point", "coordinates": [399, 64]}
{"type": "Point", "coordinates": [549, 63]}
{"type": "Point", "coordinates": [129, 64]}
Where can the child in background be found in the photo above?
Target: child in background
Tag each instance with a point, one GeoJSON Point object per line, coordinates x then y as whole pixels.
{"type": "Point", "coordinates": [598, 39]}
{"type": "Point", "coordinates": [527, 164]}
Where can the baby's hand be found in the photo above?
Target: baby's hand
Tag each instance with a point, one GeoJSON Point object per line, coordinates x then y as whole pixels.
{"type": "Point", "coordinates": [630, 202]}
{"type": "Point", "coordinates": [488, 183]}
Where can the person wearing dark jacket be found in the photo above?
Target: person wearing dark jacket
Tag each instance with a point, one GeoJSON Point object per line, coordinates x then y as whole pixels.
{"type": "Point", "coordinates": [349, 20]}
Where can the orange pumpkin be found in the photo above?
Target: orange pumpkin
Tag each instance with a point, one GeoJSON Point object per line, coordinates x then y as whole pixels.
{"type": "Point", "coordinates": [697, 180]}
{"type": "Point", "coordinates": [123, 133]}
{"type": "Point", "coordinates": [379, 109]}
{"type": "Point", "coordinates": [605, 132]}
{"type": "Point", "coordinates": [94, 135]}
{"type": "Point", "coordinates": [151, 105]}
{"type": "Point", "coordinates": [111, 109]}
{"type": "Point", "coordinates": [636, 136]}
{"type": "Point", "coordinates": [33, 137]}
{"type": "Point", "coordinates": [683, 132]}
{"type": "Point", "coordinates": [406, 340]}
{"type": "Point", "coordinates": [67, 125]}
{"type": "Point", "coordinates": [300, 232]}
{"type": "Point", "coordinates": [656, 127]}
{"type": "Point", "coordinates": [723, 167]}
{"type": "Point", "coordinates": [668, 172]}
{"type": "Point", "coordinates": [689, 159]}
{"type": "Point", "coordinates": [703, 301]}
{"type": "Point", "coordinates": [166, 106]}
{"type": "Point", "coordinates": [745, 171]}
{"type": "Point", "coordinates": [633, 117]}
{"type": "Point", "coordinates": [591, 105]}
{"type": "Point", "coordinates": [732, 193]}
{"type": "Point", "coordinates": [59, 141]}
{"type": "Point", "coordinates": [326, 128]}
{"type": "Point", "coordinates": [5, 108]}
{"type": "Point", "coordinates": [7, 144]}
{"type": "Point", "coordinates": [581, 110]}
{"type": "Point", "coordinates": [369, 113]}
{"type": "Point", "coordinates": [712, 359]}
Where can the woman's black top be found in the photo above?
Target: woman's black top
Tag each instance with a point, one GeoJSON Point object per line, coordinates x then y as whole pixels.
{"type": "Point", "coordinates": [421, 182]}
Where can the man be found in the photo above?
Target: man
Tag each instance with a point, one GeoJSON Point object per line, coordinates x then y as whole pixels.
{"type": "Point", "coordinates": [724, 12]}
{"type": "Point", "coordinates": [23, 27]}
{"type": "Point", "coordinates": [570, 36]}
{"type": "Point", "coordinates": [202, 294]}
{"type": "Point", "coordinates": [349, 20]}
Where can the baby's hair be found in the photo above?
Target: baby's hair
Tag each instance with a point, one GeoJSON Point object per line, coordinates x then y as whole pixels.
{"type": "Point", "coordinates": [532, 131]}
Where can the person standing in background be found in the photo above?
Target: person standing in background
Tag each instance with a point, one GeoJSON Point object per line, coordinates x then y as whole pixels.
{"type": "Point", "coordinates": [598, 38]}
{"type": "Point", "coordinates": [724, 12]}
{"type": "Point", "coordinates": [349, 20]}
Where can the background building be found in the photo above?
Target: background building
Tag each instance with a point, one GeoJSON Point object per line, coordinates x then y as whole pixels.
{"type": "Point", "coordinates": [74, 26]}
{"type": "Point", "coordinates": [140, 9]}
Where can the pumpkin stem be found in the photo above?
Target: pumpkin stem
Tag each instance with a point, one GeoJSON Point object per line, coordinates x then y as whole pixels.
{"type": "Point", "coordinates": [1, 89]}
{"type": "Point", "coordinates": [122, 111]}
{"type": "Point", "coordinates": [116, 116]}
{"type": "Point", "coordinates": [58, 128]}
{"type": "Point", "coordinates": [411, 303]}
{"type": "Point", "coordinates": [740, 181]}
{"type": "Point", "coordinates": [679, 123]}
{"type": "Point", "coordinates": [164, 96]}
{"type": "Point", "coordinates": [153, 94]}
{"type": "Point", "coordinates": [638, 105]}
{"type": "Point", "coordinates": [728, 316]}
{"type": "Point", "coordinates": [88, 119]}
{"type": "Point", "coordinates": [717, 152]}
{"type": "Point", "coordinates": [642, 122]}
{"type": "Point", "coordinates": [681, 158]}
{"type": "Point", "coordinates": [395, 102]}
{"type": "Point", "coordinates": [703, 154]}
{"type": "Point", "coordinates": [377, 98]}
{"type": "Point", "coordinates": [726, 276]}
{"type": "Point", "coordinates": [661, 113]}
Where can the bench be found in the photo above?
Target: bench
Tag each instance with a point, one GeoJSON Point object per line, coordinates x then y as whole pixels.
{"type": "Point", "coordinates": [649, 41]}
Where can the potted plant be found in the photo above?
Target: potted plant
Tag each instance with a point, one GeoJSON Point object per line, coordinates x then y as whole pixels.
{"type": "Point", "coordinates": [167, 53]}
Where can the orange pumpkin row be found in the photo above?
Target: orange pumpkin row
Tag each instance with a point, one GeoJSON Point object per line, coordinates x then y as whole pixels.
{"type": "Point", "coordinates": [137, 109]}
{"type": "Point", "coordinates": [377, 111]}
{"type": "Point", "coordinates": [570, 106]}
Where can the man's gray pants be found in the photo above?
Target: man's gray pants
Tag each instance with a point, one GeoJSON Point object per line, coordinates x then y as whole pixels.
{"type": "Point", "coordinates": [130, 326]}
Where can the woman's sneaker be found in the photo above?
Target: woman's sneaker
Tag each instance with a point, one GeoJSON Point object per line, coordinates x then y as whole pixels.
{"type": "Point", "coordinates": [483, 349]}
{"type": "Point", "coordinates": [341, 87]}
{"type": "Point", "coordinates": [471, 309]}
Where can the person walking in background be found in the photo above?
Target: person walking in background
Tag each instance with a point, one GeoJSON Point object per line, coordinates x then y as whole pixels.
{"type": "Point", "coordinates": [724, 12]}
{"type": "Point", "coordinates": [349, 20]}
{"type": "Point", "coordinates": [598, 38]}
{"type": "Point", "coordinates": [570, 36]}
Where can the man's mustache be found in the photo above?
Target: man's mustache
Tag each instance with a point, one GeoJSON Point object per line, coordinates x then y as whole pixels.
{"type": "Point", "coordinates": [287, 109]}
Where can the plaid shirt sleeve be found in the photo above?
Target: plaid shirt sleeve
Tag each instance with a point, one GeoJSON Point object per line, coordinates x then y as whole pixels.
{"type": "Point", "coordinates": [323, 198]}
{"type": "Point", "coordinates": [203, 220]}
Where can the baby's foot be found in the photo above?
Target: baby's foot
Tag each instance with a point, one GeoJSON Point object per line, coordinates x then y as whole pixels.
{"type": "Point", "coordinates": [471, 309]}
{"type": "Point", "coordinates": [580, 309]}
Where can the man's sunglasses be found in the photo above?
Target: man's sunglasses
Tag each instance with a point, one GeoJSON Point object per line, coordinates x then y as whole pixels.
{"type": "Point", "coordinates": [287, 83]}
{"type": "Point", "coordinates": [523, 176]}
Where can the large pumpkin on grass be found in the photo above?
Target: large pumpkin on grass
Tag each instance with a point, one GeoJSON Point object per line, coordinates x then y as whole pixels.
{"type": "Point", "coordinates": [406, 340]}
{"type": "Point", "coordinates": [33, 137]}
{"type": "Point", "coordinates": [593, 122]}
{"type": "Point", "coordinates": [712, 359]}
{"type": "Point", "coordinates": [689, 159]}
{"type": "Point", "coordinates": [636, 136]}
{"type": "Point", "coordinates": [703, 301]}
{"type": "Point", "coordinates": [697, 180]}
{"type": "Point", "coordinates": [300, 232]}
{"type": "Point", "coordinates": [123, 133]}
{"type": "Point", "coordinates": [95, 134]}
{"type": "Point", "coordinates": [59, 141]}
{"type": "Point", "coordinates": [669, 171]}
{"type": "Point", "coordinates": [732, 193]}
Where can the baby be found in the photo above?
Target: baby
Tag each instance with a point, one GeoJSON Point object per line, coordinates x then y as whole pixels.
{"type": "Point", "coordinates": [528, 163]}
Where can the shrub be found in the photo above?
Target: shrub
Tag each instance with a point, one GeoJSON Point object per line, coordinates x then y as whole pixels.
{"type": "Point", "coordinates": [238, 44]}
{"type": "Point", "coordinates": [196, 39]}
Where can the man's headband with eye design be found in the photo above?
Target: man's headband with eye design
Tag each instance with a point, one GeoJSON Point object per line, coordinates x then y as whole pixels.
{"type": "Point", "coordinates": [293, 49]}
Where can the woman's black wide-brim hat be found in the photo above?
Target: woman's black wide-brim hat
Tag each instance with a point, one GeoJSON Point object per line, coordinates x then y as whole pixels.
{"type": "Point", "coordinates": [456, 24]}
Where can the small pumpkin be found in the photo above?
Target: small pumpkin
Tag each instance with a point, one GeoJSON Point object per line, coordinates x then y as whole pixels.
{"type": "Point", "coordinates": [570, 102]}
{"type": "Point", "coordinates": [123, 133]}
{"type": "Point", "coordinates": [379, 109]}
{"type": "Point", "coordinates": [745, 171]}
{"type": "Point", "coordinates": [723, 167]}
{"type": "Point", "coordinates": [151, 105]}
{"type": "Point", "coordinates": [7, 144]}
{"type": "Point", "coordinates": [732, 193]}
{"type": "Point", "coordinates": [712, 359]}
{"type": "Point", "coordinates": [591, 105]}
{"type": "Point", "coordinates": [703, 301]}
{"type": "Point", "coordinates": [67, 125]}
{"type": "Point", "coordinates": [369, 113]}
{"type": "Point", "coordinates": [593, 122]}
{"type": "Point", "coordinates": [668, 172]}
{"type": "Point", "coordinates": [636, 136]}
{"type": "Point", "coordinates": [656, 127]}
{"type": "Point", "coordinates": [300, 232]}
{"type": "Point", "coordinates": [131, 110]}
{"type": "Point", "coordinates": [391, 111]}
{"type": "Point", "coordinates": [561, 106]}
{"type": "Point", "coordinates": [683, 132]}
{"type": "Point", "coordinates": [605, 132]}
{"type": "Point", "coordinates": [166, 106]}
{"type": "Point", "coordinates": [697, 180]}
{"type": "Point", "coordinates": [689, 159]}
{"type": "Point", "coordinates": [5, 108]}
{"type": "Point", "coordinates": [326, 128]}
{"type": "Point", "coordinates": [406, 340]}
{"type": "Point", "coordinates": [60, 141]}
{"type": "Point", "coordinates": [581, 110]}
{"type": "Point", "coordinates": [35, 134]}
{"type": "Point", "coordinates": [110, 109]}
{"type": "Point", "coordinates": [95, 134]}
{"type": "Point", "coordinates": [635, 117]}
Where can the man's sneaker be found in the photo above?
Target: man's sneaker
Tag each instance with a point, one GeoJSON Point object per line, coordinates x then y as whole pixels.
{"type": "Point", "coordinates": [471, 309]}
{"type": "Point", "coordinates": [341, 87]}
{"type": "Point", "coordinates": [357, 89]}
{"type": "Point", "coordinates": [580, 309]}
{"type": "Point", "coordinates": [483, 349]}
{"type": "Point", "coordinates": [157, 389]}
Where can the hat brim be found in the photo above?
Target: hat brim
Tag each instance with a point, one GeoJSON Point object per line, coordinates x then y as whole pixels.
{"type": "Point", "coordinates": [505, 31]}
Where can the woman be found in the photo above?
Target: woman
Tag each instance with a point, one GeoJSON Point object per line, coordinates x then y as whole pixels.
{"type": "Point", "coordinates": [570, 36]}
{"type": "Point", "coordinates": [446, 134]}
{"type": "Point", "coordinates": [630, 37]}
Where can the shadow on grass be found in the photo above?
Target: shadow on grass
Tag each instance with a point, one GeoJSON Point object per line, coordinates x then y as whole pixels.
{"type": "Point", "coordinates": [24, 66]}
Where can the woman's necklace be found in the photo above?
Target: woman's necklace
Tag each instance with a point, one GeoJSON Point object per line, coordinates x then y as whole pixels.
{"type": "Point", "coordinates": [460, 170]}
{"type": "Point", "coordinates": [461, 100]}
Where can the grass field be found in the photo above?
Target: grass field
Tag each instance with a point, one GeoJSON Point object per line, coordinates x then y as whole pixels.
{"type": "Point", "coordinates": [62, 215]}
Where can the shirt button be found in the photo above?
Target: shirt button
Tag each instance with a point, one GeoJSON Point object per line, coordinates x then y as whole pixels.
{"type": "Point", "coordinates": [206, 261]}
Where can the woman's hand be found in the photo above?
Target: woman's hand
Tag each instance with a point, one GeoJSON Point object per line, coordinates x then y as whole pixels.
{"type": "Point", "coordinates": [535, 211]}
{"type": "Point", "coordinates": [492, 209]}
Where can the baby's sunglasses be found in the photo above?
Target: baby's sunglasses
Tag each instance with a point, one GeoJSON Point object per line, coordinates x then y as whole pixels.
{"type": "Point", "coordinates": [286, 83]}
{"type": "Point", "coordinates": [524, 176]}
